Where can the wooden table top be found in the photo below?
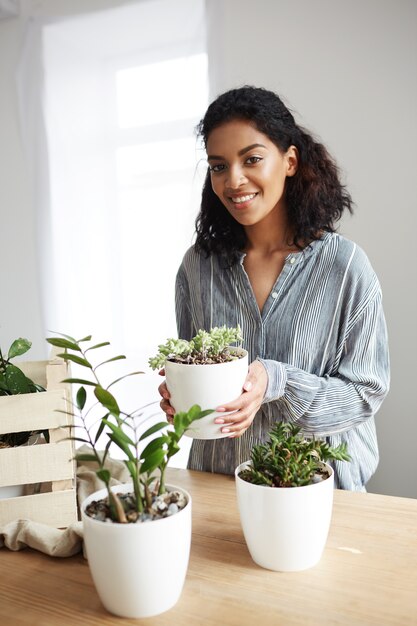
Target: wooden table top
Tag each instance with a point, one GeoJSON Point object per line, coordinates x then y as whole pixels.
{"type": "Point", "coordinates": [367, 575]}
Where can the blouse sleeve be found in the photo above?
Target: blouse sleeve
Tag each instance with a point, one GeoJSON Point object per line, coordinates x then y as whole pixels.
{"type": "Point", "coordinates": [335, 403]}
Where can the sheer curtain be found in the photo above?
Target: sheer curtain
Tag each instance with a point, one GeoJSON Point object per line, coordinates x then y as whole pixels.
{"type": "Point", "coordinates": [109, 102]}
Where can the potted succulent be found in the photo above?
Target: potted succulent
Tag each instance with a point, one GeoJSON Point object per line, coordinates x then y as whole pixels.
{"type": "Point", "coordinates": [206, 371]}
{"type": "Point", "coordinates": [285, 498]}
{"type": "Point", "coordinates": [137, 536]}
{"type": "Point", "coordinates": [13, 381]}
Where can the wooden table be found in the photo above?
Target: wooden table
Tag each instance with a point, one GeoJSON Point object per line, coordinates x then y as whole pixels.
{"type": "Point", "coordinates": [367, 575]}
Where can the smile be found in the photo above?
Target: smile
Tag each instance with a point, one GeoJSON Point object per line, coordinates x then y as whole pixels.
{"type": "Point", "coordinates": [240, 199]}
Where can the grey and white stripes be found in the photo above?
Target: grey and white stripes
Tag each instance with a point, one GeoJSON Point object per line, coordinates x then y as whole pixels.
{"type": "Point", "coordinates": [321, 336]}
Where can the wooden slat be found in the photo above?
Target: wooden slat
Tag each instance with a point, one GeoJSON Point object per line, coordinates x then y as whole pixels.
{"type": "Point", "coordinates": [33, 411]}
{"type": "Point", "coordinates": [36, 464]}
{"type": "Point", "coordinates": [35, 370]}
{"type": "Point", "coordinates": [56, 509]}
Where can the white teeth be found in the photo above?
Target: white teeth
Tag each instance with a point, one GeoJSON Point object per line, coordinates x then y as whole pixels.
{"type": "Point", "coordinates": [243, 198]}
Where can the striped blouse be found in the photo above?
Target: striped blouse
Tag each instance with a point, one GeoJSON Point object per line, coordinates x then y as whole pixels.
{"type": "Point", "coordinates": [322, 338]}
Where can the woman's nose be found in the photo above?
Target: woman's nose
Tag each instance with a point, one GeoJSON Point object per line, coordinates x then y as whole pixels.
{"type": "Point", "coordinates": [235, 177]}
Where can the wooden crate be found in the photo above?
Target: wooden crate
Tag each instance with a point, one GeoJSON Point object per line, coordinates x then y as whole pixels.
{"type": "Point", "coordinates": [47, 468]}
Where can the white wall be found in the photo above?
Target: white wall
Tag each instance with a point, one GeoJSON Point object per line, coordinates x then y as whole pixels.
{"type": "Point", "coordinates": [348, 71]}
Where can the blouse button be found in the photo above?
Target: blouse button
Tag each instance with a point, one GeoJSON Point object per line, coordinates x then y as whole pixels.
{"type": "Point", "coordinates": [292, 260]}
{"type": "Point", "coordinates": [274, 294]}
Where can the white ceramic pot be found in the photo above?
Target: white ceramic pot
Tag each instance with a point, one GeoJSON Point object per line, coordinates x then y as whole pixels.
{"type": "Point", "coordinates": [138, 569]}
{"type": "Point", "coordinates": [209, 386]}
{"type": "Point", "coordinates": [285, 528]}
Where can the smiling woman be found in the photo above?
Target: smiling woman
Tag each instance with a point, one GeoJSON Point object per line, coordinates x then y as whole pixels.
{"type": "Point", "coordinates": [308, 301]}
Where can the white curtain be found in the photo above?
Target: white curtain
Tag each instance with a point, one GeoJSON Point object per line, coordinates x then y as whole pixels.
{"type": "Point", "coordinates": [115, 197]}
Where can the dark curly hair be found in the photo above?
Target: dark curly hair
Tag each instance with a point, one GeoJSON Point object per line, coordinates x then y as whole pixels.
{"type": "Point", "coordinates": [314, 196]}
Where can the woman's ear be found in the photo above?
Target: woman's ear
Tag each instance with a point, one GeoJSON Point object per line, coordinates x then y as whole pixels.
{"type": "Point", "coordinates": [292, 160]}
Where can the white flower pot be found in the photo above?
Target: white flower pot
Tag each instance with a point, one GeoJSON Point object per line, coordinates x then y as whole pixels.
{"type": "Point", "coordinates": [209, 386]}
{"type": "Point", "coordinates": [138, 569]}
{"type": "Point", "coordinates": [285, 528]}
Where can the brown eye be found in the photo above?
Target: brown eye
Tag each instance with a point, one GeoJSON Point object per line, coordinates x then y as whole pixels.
{"type": "Point", "coordinates": [219, 167]}
{"type": "Point", "coordinates": [253, 160]}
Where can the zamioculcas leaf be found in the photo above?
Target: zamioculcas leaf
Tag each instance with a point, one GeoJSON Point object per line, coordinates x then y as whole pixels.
{"type": "Point", "coordinates": [63, 343]}
{"type": "Point", "coordinates": [81, 398]}
{"type": "Point", "coordinates": [122, 445]}
{"type": "Point", "coordinates": [87, 458]}
{"type": "Point", "coordinates": [154, 445]}
{"type": "Point", "coordinates": [115, 358]}
{"type": "Point", "coordinates": [100, 428]}
{"type": "Point", "coordinates": [153, 429]}
{"type": "Point", "coordinates": [19, 347]}
{"type": "Point", "coordinates": [118, 432]}
{"type": "Point", "coordinates": [98, 345]}
{"type": "Point", "coordinates": [79, 381]}
{"type": "Point", "coordinates": [153, 461]}
{"type": "Point", "coordinates": [107, 400]}
{"type": "Point", "coordinates": [75, 359]}
{"type": "Point", "coordinates": [123, 377]}
{"type": "Point", "coordinates": [104, 475]}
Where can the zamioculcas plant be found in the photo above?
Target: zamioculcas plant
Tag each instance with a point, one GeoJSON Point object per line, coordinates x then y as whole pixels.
{"type": "Point", "coordinates": [13, 382]}
{"type": "Point", "coordinates": [207, 347]}
{"type": "Point", "coordinates": [146, 464]}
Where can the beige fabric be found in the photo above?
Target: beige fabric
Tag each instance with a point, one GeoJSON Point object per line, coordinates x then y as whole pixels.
{"type": "Point", "coordinates": [25, 533]}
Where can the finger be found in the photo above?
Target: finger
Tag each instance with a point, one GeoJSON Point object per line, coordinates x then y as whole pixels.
{"type": "Point", "coordinates": [239, 425]}
{"type": "Point", "coordinates": [162, 372]}
{"type": "Point", "coordinates": [163, 391]}
{"type": "Point", "coordinates": [167, 408]}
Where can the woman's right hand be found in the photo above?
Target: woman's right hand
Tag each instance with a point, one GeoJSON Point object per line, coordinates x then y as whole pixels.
{"type": "Point", "coordinates": [165, 404]}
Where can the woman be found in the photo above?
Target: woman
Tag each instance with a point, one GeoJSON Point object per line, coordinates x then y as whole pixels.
{"type": "Point", "coordinates": [267, 257]}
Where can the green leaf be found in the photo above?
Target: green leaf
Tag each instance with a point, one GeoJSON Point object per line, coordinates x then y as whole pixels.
{"type": "Point", "coordinates": [63, 343]}
{"type": "Point", "coordinates": [19, 347]}
{"type": "Point", "coordinates": [123, 377]}
{"type": "Point", "coordinates": [107, 400]}
{"type": "Point", "coordinates": [79, 381]}
{"type": "Point", "coordinates": [89, 458]}
{"type": "Point", "coordinates": [153, 461]}
{"type": "Point", "coordinates": [118, 432]}
{"type": "Point", "coordinates": [100, 428]}
{"type": "Point", "coordinates": [81, 398]}
{"type": "Point", "coordinates": [62, 335]}
{"type": "Point", "coordinates": [122, 445]}
{"type": "Point", "coordinates": [115, 358]}
{"type": "Point", "coordinates": [88, 338]}
{"type": "Point", "coordinates": [75, 359]}
{"type": "Point", "coordinates": [16, 381]}
{"type": "Point", "coordinates": [153, 429]}
{"type": "Point", "coordinates": [98, 345]}
{"type": "Point", "coordinates": [104, 475]}
{"type": "Point", "coordinates": [154, 445]}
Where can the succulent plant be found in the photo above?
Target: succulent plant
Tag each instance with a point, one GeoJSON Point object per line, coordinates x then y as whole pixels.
{"type": "Point", "coordinates": [206, 347]}
{"type": "Point", "coordinates": [288, 459]}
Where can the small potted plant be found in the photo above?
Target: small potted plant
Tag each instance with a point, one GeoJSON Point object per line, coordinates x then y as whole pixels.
{"type": "Point", "coordinates": [207, 371]}
{"type": "Point", "coordinates": [137, 536]}
{"type": "Point", "coordinates": [13, 382]}
{"type": "Point", "coordinates": [285, 498]}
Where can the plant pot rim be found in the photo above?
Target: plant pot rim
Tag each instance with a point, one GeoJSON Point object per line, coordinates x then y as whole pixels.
{"type": "Point", "coordinates": [241, 353]}
{"type": "Point", "coordinates": [311, 485]}
{"type": "Point", "coordinates": [126, 488]}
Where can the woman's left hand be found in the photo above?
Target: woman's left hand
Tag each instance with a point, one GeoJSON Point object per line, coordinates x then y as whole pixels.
{"type": "Point", "coordinates": [247, 404]}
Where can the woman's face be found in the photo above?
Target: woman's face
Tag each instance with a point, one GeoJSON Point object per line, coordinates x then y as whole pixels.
{"type": "Point", "coordinates": [248, 171]}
